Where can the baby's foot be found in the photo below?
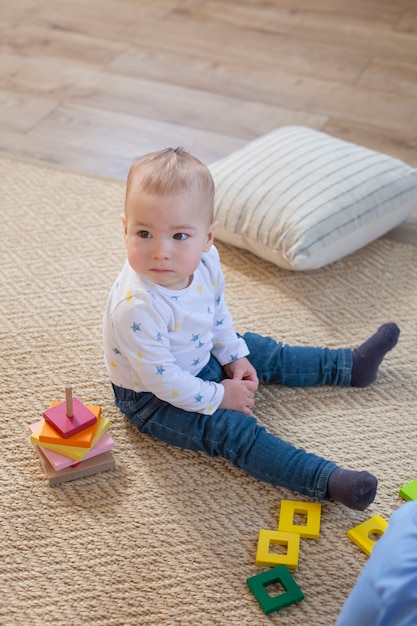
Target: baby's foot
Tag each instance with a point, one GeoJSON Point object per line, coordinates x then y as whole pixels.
{"type": "Point", "coordinates": [353, 489]}
{"type": "Point", "coordinates": [368, 356]}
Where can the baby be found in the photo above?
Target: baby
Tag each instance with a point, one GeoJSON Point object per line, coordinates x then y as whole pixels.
{"type": "Point", "coordinates": [179, 370]}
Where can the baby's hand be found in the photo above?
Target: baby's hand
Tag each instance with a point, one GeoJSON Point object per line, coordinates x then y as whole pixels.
{"type": "Point", "coordinates": [241, 369]}
{"type": "Point", "coordinates": [239, 395]}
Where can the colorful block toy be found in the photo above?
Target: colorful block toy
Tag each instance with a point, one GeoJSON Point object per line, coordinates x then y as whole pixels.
{"type": "Point", "coordinates": [311, 529]}
{"type": "Point", "coordinates": [267, 537]}
{"type": "Point", "coordinates": [292, 592]}
{"type": "Point", "coordinates": [409, 491]}
{"type": "Point", "coordinates": [361, 534]}
{"type": "Point", "coordinates": [69, 417]}
{"type": "Point", "coordinates": [68, 453]}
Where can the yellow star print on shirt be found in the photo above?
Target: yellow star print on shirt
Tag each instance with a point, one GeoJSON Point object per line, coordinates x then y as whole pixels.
{"type": "Point", "coordinates": [129, 296]}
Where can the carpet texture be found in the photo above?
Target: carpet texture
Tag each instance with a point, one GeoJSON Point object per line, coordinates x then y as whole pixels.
{"type": "Point", "coordinates": [170, 536]}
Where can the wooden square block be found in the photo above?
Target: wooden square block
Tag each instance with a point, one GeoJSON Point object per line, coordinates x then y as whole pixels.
{"type": "Point", "coordinates": [68, 426]}
{"type": "Point", "coordinates": [100, 463]}
{"type": "Point", "coordinates": [361, 534]}
{"type": "Point", "coordinates": [312, 511]}
{"type": "Point", "coordinates": [292, 592]}
{"type": "Point", "coordinates": [59, 461]}
{"type": "Point", "coordinates": [409, 491]}
{"type": "Point", "coordinates": [266, 558]}
{"type": "Point", "coordinates": [73, 452]}
{"type": "Point", "coordinates": [81, 439]}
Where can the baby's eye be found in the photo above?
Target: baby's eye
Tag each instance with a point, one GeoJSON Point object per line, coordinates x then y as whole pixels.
{"type": "Point", "coordinates": [144, 234]}
{"type": "Point", "coordinates": [180, 236]}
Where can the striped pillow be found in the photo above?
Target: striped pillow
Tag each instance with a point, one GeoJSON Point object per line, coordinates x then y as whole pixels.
{"type": "Point", "coordinates": [301, 199]}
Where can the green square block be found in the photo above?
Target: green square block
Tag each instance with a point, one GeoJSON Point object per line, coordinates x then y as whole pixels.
{"type": "Point", "coordinates": [292, 592]}
{"type": "Point", "coordinates": [409, 491]}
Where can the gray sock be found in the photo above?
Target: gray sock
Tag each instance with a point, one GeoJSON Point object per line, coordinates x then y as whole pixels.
{"type": "Point", "coordinates": [353, 489]}
{"type": "Point", "coordinates": [368, 356]}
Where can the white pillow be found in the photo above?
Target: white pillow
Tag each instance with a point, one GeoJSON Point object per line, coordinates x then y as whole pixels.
{"type": "Point", "coordinates": [301, 199]}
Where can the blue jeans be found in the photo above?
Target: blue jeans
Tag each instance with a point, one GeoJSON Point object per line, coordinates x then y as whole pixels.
{"type": "Point", "coordinates": [238, 437]}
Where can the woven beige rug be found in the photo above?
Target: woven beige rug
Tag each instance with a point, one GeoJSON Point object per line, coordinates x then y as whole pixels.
{"type": "Point", "coordinates": [170, 536]}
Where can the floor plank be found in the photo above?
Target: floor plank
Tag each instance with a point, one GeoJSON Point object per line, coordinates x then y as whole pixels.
{"type": "Point", "coordinates": [77, 136]}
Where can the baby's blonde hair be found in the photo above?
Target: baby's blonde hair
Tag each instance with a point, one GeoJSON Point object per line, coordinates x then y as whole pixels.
{"type": "Point", "coordinates": [172, 170]}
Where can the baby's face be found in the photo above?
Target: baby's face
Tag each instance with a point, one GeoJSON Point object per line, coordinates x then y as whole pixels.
{"type": "Point", "coordinates": [166, 235]}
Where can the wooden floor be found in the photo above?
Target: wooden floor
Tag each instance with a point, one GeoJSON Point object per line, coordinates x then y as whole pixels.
{"type": "Point", "coordinates": [92, 84]}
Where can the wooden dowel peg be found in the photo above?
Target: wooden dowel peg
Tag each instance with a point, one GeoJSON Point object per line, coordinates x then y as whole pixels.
{"type": "Point", "coordinates": [68, 400]}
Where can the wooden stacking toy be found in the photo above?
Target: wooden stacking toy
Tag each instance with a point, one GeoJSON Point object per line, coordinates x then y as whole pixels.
{"type": "Point", "coordinates": [72, 440]}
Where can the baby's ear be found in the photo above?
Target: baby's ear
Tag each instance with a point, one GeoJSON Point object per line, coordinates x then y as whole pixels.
{"type": "Point", "coordinates": [210, 235]}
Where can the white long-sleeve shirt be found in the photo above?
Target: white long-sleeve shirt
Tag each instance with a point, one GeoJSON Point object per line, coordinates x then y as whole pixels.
{"type": "Point", "coordinates": [158, 340]}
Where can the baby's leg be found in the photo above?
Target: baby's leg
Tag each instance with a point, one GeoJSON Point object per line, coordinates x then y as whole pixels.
{"type": "Point", "coordinates": [299, 366]}
{"type": "Point", "coordinates": [239, 438]}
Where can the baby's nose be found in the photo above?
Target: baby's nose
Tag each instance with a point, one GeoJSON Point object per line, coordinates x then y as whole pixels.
{"type": "Point", "coordinates": [160, 250]}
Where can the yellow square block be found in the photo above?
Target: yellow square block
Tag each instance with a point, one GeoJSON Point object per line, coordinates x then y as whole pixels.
{"type": "Point", "coordinates": [268, 559]}
{"type": "Point", "coordinates": [361, 534]}
{"type": "Point", "coordinates": [311, 529]}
